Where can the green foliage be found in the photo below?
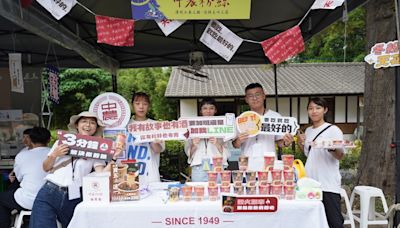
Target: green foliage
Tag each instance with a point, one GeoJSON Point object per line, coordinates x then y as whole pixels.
{"type": "Point", "coordinates": [328, 45]}
{"type": "Point", "coordinates": [351, 158]}
{"type": "Point", "coordinates": [173, 160]}
{"type": "Point", "coordinates": [78, 87]}
{"type": "Point", "coordinates": [152, 81]}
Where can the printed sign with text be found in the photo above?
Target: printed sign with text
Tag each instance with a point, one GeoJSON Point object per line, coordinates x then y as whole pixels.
{"type": "Point", "coordinates": [141, 132]}
{"type": "Point", "coordinates": [235, 203]}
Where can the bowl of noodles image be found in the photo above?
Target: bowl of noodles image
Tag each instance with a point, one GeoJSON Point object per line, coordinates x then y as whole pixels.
{"type": "Point", "coordinates": [128, 187]}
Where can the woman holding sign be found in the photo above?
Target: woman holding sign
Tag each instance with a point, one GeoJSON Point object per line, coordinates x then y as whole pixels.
{"type": "Point", "coordinates": [323, 162]}
{"type": "Point", "coordinates": [201, 151]}
{"type": "Point", "coordinates": [61, 193]}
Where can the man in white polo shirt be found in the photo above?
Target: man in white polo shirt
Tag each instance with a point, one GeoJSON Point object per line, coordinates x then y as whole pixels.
{"type": "Point", "coordinates": [29, 172]}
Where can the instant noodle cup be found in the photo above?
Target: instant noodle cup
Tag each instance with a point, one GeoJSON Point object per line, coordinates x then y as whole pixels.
{"type": "Point", "coordinates": [243, 162]}
{"type": "Point", "coordinates": [120, 141]}
{"type": "Point", "coordinates": [225, 189]}
{"type": "Point", "coordinates": [238, 190]}
{"type": "Point", "coordinates": [276, 175]}
{"type": "Point", "coordinates": [122, 171]}
{"type": "Point", "coordinates": [199, 192]}
{"type": "Point", "coordinates": [225, 178]}
{"type": "Point", "coordinates": [264, 189]}
{"type": "Point", "coordinates": [262, 177]}
{"type": "Point", "coordinates": [174, 194]}
{"type": "Point", "coordinates": [251, 179]}
{"type": "Point", "coordinates": [289, 191]}
{"type": "Point", "coordinates": [217, 163]}
{"type": "Point", "coordinates": [212, 193]}
{"type": "Point", "coordinates": [187, 192]}
{"type": "Point", "coordinates": [288, 175]}
{"type": "Point", "coordinates": [212, 178]}
{"type": "Point", "coordinates": [276, 189]}
{"type": "Point", "coordinates": [251, 190]}
{"type": "Point", "coordinates": [288, 161]}
{"type": "Point", "coordinates": [269, 162]}
{"type": "Point", "coordinates": [237, 176]}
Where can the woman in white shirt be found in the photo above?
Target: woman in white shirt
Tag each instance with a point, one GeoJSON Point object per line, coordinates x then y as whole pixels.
{"type": "Point", "coordinates": [61, 193]}
{"type": "Point", "coordinates": [201, 151]}
{"type": "Point", "coordinates": [323, 164]}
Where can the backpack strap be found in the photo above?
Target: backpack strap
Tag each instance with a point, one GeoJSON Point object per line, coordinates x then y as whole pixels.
{"type": "Point", "coordinates": [61, 165]}
{"type": "Point", "coordinates": [309, 147]}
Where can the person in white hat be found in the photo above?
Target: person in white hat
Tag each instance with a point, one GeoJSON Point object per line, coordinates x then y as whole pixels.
{"type": "Point", "coordinates": [60, 194]}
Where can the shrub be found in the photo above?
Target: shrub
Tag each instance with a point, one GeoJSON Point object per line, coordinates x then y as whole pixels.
{"type": "Point", "coordinates": [173, 161]}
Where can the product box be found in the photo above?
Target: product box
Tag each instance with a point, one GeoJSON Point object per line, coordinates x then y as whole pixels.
{"type": "Point", "coordinates": [96, 188]}
{"type": "Point", "coordinates": [125, 181]}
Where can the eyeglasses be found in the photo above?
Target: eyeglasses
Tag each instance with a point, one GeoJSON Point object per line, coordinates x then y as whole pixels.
{"type": "Point", "coordinates": [254, 96]}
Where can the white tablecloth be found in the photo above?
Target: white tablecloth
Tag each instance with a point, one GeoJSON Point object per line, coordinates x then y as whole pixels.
{"type": "Point", "coordinates": [152, 212]}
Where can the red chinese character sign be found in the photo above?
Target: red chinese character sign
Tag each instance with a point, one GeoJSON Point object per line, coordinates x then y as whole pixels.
{"type": "Point", "coordinates": [112, 109]}
{"type": "Point", "coordinates": [142, 132]}
{"type": "Point", "coordinates": [53, 74]}
{"type": "Point", "coordinates": [114, 31]}
{"type": "Point", "coordinates": [235, 204]}
{"type": "Point", "coordinates": [384, 55]}
{"type": "Point", "coordinates": [212, 126]}
{"type": "Point", "coordinates": [86, 146]}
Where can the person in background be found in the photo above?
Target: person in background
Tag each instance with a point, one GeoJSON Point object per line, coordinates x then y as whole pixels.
{"type": "Point", "coordinates": [149, 158]}
{"type": "Point", "coordinates": [61, 192]}
{"type": "Point", "coordinates": [323, 164]}
{"type": "Point", "coordinates": [29, 173]}
{"type": "Point", "coordinates": [256, 147]}
{"type": "Point", "coordinates": [200, 151]}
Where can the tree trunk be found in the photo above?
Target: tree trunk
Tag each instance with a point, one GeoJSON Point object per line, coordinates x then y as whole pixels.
{"type": "Point", "coordinates": [377, 161]}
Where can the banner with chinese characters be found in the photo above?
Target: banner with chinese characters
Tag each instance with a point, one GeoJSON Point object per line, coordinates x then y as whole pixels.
{"type": "Point", "coordinates": [146, 131]}
{"type": "Point", "coordinates": [53, 74]}
{"type": "Point", "coordinates": [15, 66]}
{"type": "Point", "coordinates": [252, 123]}
{"type": "Point", "coordinates": [220, 39]}
{"type": "Point", "coordinates": [86, 146]}
{"type": "Point", "coordinates": [193, 9]}
{"type": "Point", "coordinates": [212, 126]}
{"type": "Point", "coordinates": [384, 55]}
{"type": "Point", "coordinates": [236, 203]}
{"type": "Point", "coordinates": [59, 8]}
{"type": "Point", "coordinates": [112, 109]}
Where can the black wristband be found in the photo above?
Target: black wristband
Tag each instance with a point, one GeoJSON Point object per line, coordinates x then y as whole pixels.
{"type": "Point", "coordinates": [114, 160]}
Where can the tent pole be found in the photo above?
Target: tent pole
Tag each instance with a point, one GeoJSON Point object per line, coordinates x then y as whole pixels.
{"type": "Point", "coordinates": [396, 118]}
{"type": "Point", "coordinates": [114, 83]}
{"type": "Point", "coordinates": [276, 89]}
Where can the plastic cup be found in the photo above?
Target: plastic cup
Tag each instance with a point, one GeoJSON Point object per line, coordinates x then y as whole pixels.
{"type": "Point", "coordinates": [243, 162]}
{"type": "Point", "coordinates": [237, 177]}
{"type": "Point", "coordinates": [187, 192]}
{"type": "Point", "coordinates": [212, 193]}
{"type": "Point", "coordinates": [199, 192]}
{"type": "Point", "coordinates": [212, 178]}
{"type": "Point", "coordinates": [225, 178]}
{"type": "Point", "coordinates": [122, 171]}
{"type": "Point", "coordinates": [251, 179]}
{"type": "Point", "coordinates": [174, 194]}
{"type": "Point", "coordinates": [251, 190]}
{"type": "Point", "coordinates": [225, 189]}
{"type": "Point", "coordinates": [217, 163]}
{"type": "Point", "coordinates": [288, 161]}
{"type": "Point", "coordinates": [238, 190]}
{"type": "Point", "coordinates": [269, 163]}
{"type": "Point", "coordinates": [276, 189]}
{"type": "Point", "coordinates": [289, 190]}
{"type": "Point", "coordinates": [288, 175]}
{"type": "Point", "coordinates": [276, 175]}
{"type": "Point", "coordinates": [263, 189]}
{"type": "Point", "coordinates": [262, 177]}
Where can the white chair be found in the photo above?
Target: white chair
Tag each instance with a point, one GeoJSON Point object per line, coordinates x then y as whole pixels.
{"type": "Point", "coordinates": [348, 216]}
{"type": "Point", "coordinates": [19, 219]}
{"type": "Point", "coordinates": [367, 214]}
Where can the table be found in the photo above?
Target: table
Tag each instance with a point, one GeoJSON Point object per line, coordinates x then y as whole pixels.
{"type": "Point", "coordinates": [153, 212]}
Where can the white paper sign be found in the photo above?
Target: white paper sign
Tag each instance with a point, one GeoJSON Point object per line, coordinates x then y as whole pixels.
{"type": "Point", "coordinates": [10, 115]}
{"type": "Point", "coordinates": [220, 39]}
{"type": "Point", "coordinates": [112, 109]}
{"type": "Point", "coordinates": [168, 26]}
{"type": "Point", "coordinates": [278, 125]}
{"type": "Point", "coordinates": [15, 66]}
{"type": "Point", "coordinates": [384, 55]}
{"type": "Point", "coordinates": [212, 126]}
{"type": "Point", "coordinates": [145, 131]}
{"type": "Point", "coordinates": [96, 188]}
{"type": "Point", "coordinates": [327, 4]}
{"type": "Point", "coordinates": [57, 8]}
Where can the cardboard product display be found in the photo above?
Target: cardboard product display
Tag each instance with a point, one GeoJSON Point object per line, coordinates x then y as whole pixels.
{"type": "Point", "coordinates": [125, 181]}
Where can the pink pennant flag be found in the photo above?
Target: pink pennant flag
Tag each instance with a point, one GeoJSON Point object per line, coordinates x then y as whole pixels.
{"type": "Point", "coordinates": [284, 45]}
{"type": "Point", "coordinates": [114, 31]}
{"type": "Point", "coordinates": [327, 4]}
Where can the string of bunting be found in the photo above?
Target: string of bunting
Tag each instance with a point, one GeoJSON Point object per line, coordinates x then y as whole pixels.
{"type": "Point", "coordinates": [120, 32]}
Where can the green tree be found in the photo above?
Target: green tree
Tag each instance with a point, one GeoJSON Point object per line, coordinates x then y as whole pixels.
{"type": "Point", "coordinates": [327, 46]}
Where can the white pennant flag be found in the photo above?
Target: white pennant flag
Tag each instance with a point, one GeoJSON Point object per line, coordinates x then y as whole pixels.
{"type": "Point", "coordinates": [326, 4]}
{"type": "Point", "coordinates": [57, 8]}
{"type": "Point", "coordinates": [15, 66]}
{"type": "Point", "coordinates": [168, 26]}
{"type": "Point", "coordinates": [220, 39]}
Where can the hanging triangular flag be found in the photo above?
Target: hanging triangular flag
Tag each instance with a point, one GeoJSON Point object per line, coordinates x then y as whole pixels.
{"type": "Point", "coordinates": [58, 9]}
{"type": "Point", "coordinates": [114, 31]}
{"type": "Point", "coordinates": [220, 39]}
{"type": "Point", "coordinates": [326, 4]}
{"type": "Point", "coordinates": [168, 26]}
{"type": "Point", "coordinates": [283, 45]}
{"type": "Point", "coordinates": [25, 3]}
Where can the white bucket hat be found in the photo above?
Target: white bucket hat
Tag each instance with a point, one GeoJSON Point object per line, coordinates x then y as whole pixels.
{"type": "Point", "coordinates": [73, 121]}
